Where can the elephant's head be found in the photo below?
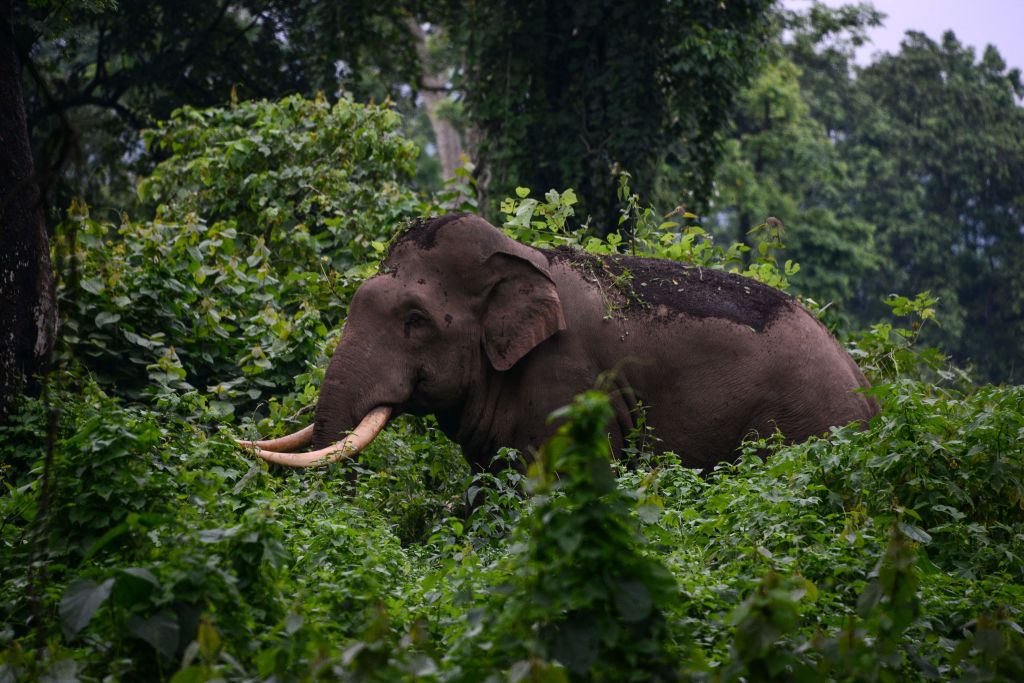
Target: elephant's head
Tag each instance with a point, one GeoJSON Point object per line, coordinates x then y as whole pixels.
{"type": "Point", "coordinates": [455, 301]}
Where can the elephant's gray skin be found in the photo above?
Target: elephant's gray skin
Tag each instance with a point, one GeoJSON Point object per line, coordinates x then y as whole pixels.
{"type": "Point", "coordinates": [491, 336]}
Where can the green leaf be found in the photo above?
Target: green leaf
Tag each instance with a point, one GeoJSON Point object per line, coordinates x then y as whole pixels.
{"type": "Point", "coordinates": [576, 644]}
{"type": "Point", "coordinates": [159, 630]}
{"type": "Point", "coordinates": [632, 600]}
{"type": "Point", "coordinates": [209, 639]}
{"type": "Point", "coordinates": [915, 533]}
{"type": "Point", "coordinates": [522, 192]}
{"type": "Point", "coordinates": [216, 535]}
{"type": "Point", "coordinates": [80, 602]}
{"type": "Point", "coordinates": [138, 340]}
{"type": "Point", "coordinates": [292, 623]}
{"type": "Point", "coordinates": [134, 586]}
{"type": "Point", "coordinates": [191, 674]}
{"type": "Point", "coordinates": [869, 598]}
{"type": "Point", "coordinates": [105, 539]}
{"type": "Point", "coordinates": [92, 285]}
{"type": "Point", "coordinates": [650, 514]}
{"type": "Point", "coordinates": [106, 318]}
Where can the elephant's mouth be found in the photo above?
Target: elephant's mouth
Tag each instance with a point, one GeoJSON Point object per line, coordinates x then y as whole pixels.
{"type": "Point", "coordinates": [280, 451]}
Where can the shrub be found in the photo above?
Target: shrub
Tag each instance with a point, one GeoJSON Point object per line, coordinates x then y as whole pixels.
{"type": "Point", "coordinates": [265, 216]}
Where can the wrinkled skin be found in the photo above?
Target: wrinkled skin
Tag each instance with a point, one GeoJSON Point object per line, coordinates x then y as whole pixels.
{"type": "Point", "coordinates": [491, 336]}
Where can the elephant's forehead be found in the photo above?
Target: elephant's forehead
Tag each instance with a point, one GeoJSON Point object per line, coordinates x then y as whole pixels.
{"type": "Point", "coordinates": [409, 256]}
{"type": "Point", "coordinates": [435, 267]}
{"type": "Point", "coordinates": [389, 290]}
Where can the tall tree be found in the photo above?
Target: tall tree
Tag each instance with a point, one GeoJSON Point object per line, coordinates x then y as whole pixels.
{"type": "Point", "coordinates": [779, 161]}
{"type": "Point", "coordinates": [565, 93]}
{"type": "Point", "coordinates": [781, 157]}
{"type": "Point", "coordinates": [932, 142]}
{"type": "Point", "coordinates": [434, 90]}
{"type": "Point", "coordinates": [27, 302]}
{"type": "Point", "coordinates": [99, 73]}
{"type": "Point", "coordinates": [940, 144]}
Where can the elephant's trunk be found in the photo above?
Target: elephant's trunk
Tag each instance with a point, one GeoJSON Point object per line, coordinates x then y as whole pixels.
{"type": "Point", "coordinates": [365, 432]}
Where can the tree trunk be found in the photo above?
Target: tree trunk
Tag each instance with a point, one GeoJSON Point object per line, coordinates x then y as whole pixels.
{"type": "Point", "coordinates": [28, 309]}
{"type": "Point", "coordinates": [434, 92]}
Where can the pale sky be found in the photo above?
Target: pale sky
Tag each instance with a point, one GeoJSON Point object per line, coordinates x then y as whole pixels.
{"type": "Point", "coordinates": [975, 22]}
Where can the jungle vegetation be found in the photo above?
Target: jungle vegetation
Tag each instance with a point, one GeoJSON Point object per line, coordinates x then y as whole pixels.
{"type": "Point", "coordinates": [215, 179]}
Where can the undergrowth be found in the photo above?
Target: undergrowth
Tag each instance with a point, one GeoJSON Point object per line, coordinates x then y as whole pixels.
{"type": "Point", "coordinates": [890, 553]}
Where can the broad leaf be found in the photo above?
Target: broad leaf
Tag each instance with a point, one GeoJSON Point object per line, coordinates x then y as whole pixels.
{"type": "Point", "coordinates": [159, 630]}
{"type": "Point", "coordinates": [81, 600]}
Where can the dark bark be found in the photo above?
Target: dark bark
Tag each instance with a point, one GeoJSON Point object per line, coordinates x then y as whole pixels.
{"type": "Point", "coordinates": [28, 309]}
{"type": "Point", "coordinates": [434, 92]}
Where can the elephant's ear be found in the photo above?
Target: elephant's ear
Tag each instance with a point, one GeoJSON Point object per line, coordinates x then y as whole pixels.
{"type": "Point", "coordinates": [522, 309]}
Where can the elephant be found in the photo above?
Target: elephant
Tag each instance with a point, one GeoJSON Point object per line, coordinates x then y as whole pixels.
{"type": "Point", "coordinates": [490, 336]}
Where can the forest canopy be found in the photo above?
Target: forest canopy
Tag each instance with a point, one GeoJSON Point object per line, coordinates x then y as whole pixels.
{"type": "Point", "coordinates": [205, 185]}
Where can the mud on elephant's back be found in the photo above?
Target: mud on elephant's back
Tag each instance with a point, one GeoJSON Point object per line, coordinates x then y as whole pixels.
{"type": "Point", "coordinates": [672, 289]}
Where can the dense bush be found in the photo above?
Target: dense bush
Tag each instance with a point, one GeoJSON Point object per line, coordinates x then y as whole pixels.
{"type": "Point", "coordinates": [263, 216]}
{"type": "Point", "coordinates": [895, 552]}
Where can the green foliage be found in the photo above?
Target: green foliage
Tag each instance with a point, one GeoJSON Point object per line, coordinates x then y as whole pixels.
{"type": "Point", "coordinates": [568, 93]}
{"type": "Point", "coordinates": [738, 110]}
{"type": "Point", "coordinates": [889, 553]}
{"type": "Point", "coordinates": [102, 71]}
{"type": "Point", "coordinates": [541, 223]}
{"type": "Point", "coordinates": [943, 191]}
{"type": "Point", "coordinates": [929, 141]}
{"type": "Point", "coordinates": [336, 171]}
{"type": "Point", "coordinates": [900, 176]}
{"type": "Point", "coordinates": [266, 217]}
{"type": "Point", "coordinates": [812, 521]}
{"type": "Point", "coordinates": [581, 591]}
{"type": "Point", "coordinates": [886, 352]}
{"type": "Point", "coordinates": [779, 161]}
{"type": "Point", "coordinates": [675, 236]}
{"type": "Point", "coordinates": [169, 549]}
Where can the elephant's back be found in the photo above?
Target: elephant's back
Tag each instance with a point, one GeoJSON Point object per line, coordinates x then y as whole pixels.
{"type": "Point", "coordinates": [663, 290]}
{"type": "Point", "coordinates": [711, 382]}
{"type": "Point", "coordinates": [811, 381]}
{"type": "Point", "coordinates": [713, 357]}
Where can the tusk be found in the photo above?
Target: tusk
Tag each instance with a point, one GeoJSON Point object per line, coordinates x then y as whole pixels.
{"type": "Point", "coordinates": [365, 432]}
{"type": "Point", "coordinates": [299, 439]}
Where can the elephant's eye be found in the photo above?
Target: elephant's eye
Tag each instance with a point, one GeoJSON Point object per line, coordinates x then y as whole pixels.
{"type": "Point", "coordinates": [414, 320]}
